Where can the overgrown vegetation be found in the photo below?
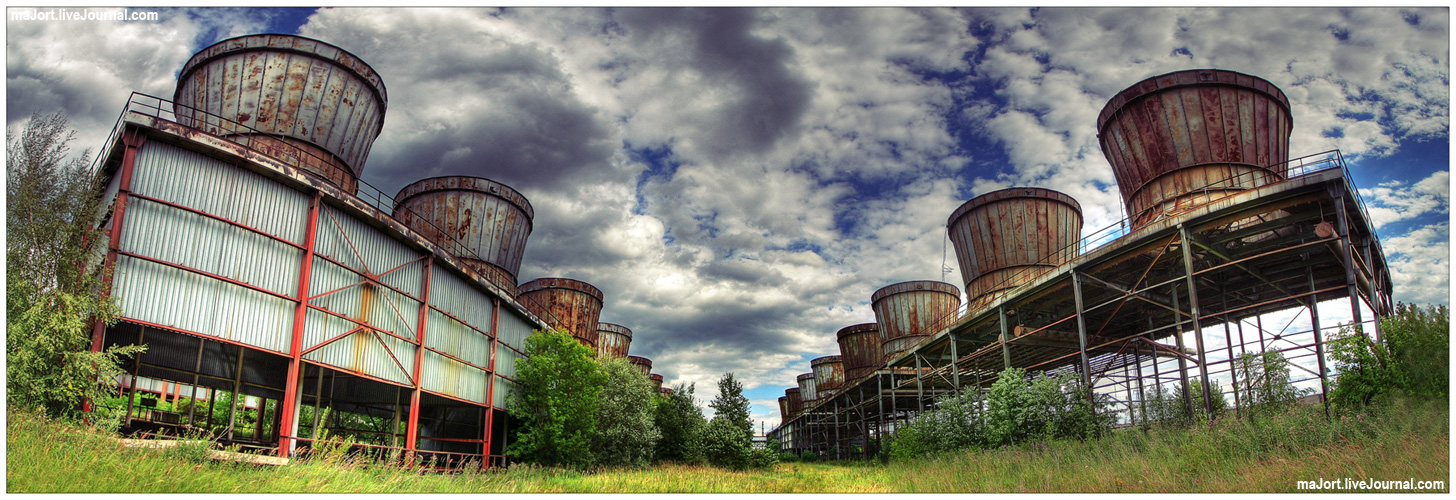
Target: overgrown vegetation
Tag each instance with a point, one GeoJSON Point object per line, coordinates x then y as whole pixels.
{"type": "Point", "coordinates": [557, 402]}
{"type": "Point", "coordinates": [681, 423]}
{"type": "Point", "coordinates": [53, 276]}
{"type": "Point", "coordinates": [626, 434]}
{"type": "Point", "coordinates": [1411, 358]}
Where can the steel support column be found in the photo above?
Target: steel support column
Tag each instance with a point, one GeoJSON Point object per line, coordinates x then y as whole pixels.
{"type": "Point", "coordinates": [1082, 334]}
{"type": "Point", "coordinates": [133, 139]}
{"type": "Point", "coordinates": [955, 370]}
{"type": "Point", "coordinates": [1342, 223]}
{"type": "Point", "coordinates": [291, 393]}
{"type": "Point", "coordinates": [1319, 346]}
{"type": "Point", "coordinates": [490, 382]}
{"type": "Point", "coordinates": [1182, 361]}
{"type": "Point", "coordinates": [1005, 338]}
{"type": "Point", "coordinates": [412, 428]}
{"type": "Point", "coordinates": [1187, 247]}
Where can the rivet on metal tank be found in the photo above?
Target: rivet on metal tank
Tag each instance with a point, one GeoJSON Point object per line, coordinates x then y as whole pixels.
{"type": "Point", "coordinates": [480, 221]}
{"type": "Point", "coordinates": [566, 303]}
{"type": "Point", "coordinates": [300, 100]}
{"type": "Point", "coordinates": [912, 308]}
{"type": "Point", "coordinates": [613, 340]}
{"type": "Point", "coordinates": [859, 346]}
{"type": "Point", "coordinates": [807, 390]}
{"type": "Point", "coordinates": [828, 376]}
{"type": "Point", "coordinates": [1184, 138]}
{"type": "Point", "coordinates": [643, 364]}
{"type": "Point", "coordinates": [1003, 238]}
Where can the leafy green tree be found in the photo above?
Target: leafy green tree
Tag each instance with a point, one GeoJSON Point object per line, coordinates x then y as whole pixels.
{"type": "Point", "coordinates": [1165, 405]}
{"type": "Point", "coordinates": [625, 433]}
{"type": "Point", "coordinates": [54, 278]}
{"type": "Point", "coordinates": [560, 386]}
{"type": "Point", "coordinates": [680, 421]}
{"type": "Point", "coordinates": [1412, 358]}
{"type": "Point", "coordinates": [727, 439]}
{"type": "Point", "coordinates": [1264, 383]}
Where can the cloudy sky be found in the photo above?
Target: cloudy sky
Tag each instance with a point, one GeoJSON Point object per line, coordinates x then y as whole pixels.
{"type": "Point", "coordinates": [739, 181]}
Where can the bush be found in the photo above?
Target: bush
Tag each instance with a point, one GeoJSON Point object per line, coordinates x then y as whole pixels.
{"type": "Point", "coordinates": [1263, 383]}
{"type": "Point", "coordinates": [680, 421]}
{"type": "Point", "coordinates": [1412, 358]}
{"type": "Point", "coordinates": [625, 433]}
{"type": "Point", "coordinates": [724, 445]}
{"type": "Point", "coordinates": [557, 401]}
{"type": "Point", "coordinates": [1166, 406]}
{"type": "Point", "coordinates": [1019, 410]}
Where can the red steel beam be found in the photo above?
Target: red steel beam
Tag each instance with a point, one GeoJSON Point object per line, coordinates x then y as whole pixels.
{"type": "Point", "coordinates": [490, 382]}
{"type": "Point", "coordinates": [133, 138]}
{"type": "Point", "coordinates": [412, 427]}
{"type": "Point", "coordinates": [295, 350]}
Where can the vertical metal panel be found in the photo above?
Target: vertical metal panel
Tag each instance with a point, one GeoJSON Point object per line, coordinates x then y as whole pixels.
{"type": "Point", "coordinates": [348, 240]}
{"type": "Point", "coordinates": [513, 331]}
{"type": "Point", "coordinates": [192, 302]}
{"type": "Point", "coordinates": [505, 362]}
{"type": "Point", "coordinates": [1172, 135]}
{"type": "Point", "coordinates": [454, 338]}
{"type": "Point", "coordinates": [297, 88]}
{"type": "Point", "coordinates": [450, 293]}
{"type": "Point", "coordinates": [503, 389]}
{"type": "Point", "coordinates": [208, 245]}
{"type": "Point", "coordinates": [1001, 235]}
{"type": "Point", "coordinates": [363, 352]}
{"type": "Point", "coordinates": [828, 375]}
{"type": "Point", "coordinates": [806, 387]}
{"type": "Point", "coordinates": [859, 347]}
{"type": "Point", "coordinates": [209, 185]}
{"type": "Point", "coordinates": [447, 376]}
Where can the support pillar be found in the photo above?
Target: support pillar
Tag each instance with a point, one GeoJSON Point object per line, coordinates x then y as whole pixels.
{"type": "Point", "coordinates": [1319, 346]}
{"type": "Point", "coordinates": [412, 429]}
{"type": "Point", "coordinates": [1082, 334]}
{"type": "Point", "coordinates": [919, 386]}
{"type": "Point", "coordinates": [135, 371]}
{"type": "Point", "coordinates": [1342, 223]}
{"type": "Point", "coordinates": [237, 398]}
{"type": "Point", "coordinates": [955, 369]}
{"type": "Point", "coordinates": [132, 138]}
{"type": "Point", "coordinates": [192, 399]}
{"type": "Point", "coordinates": [291, 394]}
{"type": "Point", "coordinates": [1182, 362]}
{"type": "Point", "coordinates": [1005, 338]}
{"type": "Point", "coordinates": [1187, 244]}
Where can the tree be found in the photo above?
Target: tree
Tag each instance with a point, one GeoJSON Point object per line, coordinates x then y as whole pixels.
{"type": "Point", "coordinates": [728, 437]}
{"type": "Point", "coordinates": [54, 278]}
{"type": "Point", "coordinates": [557, 400]}
{"type": "Point", "coordinates": [1412, 357]}
{"type": "Point", "coordinates": [1264, 383]}
{"type": "Point", "coordinates": [625, 433]}
{"type": "Point", "coordinates": [678, 418]}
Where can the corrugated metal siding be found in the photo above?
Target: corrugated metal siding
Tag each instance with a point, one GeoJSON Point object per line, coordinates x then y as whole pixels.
{"type": "Point", "coordinates": [450, 293]}
{"type": "Point", "coordinates": [447, 376]}
{"type": "Point", "coordinates": [188, 301]}
{"type": "Point", "coordinates": [209, 185]}
{"type": "Point", "coordinates": [505, 361]}
{"type": "Point", "coordinates": [361, 352]}
{"type": "Point", "coordinates": [378, 306]}
{"type": "Point", "coordinates": [514, 330]}
{"type": "Point", "coordinates": [347, 240]}
{"type": "Point", "coordinates": [173, 235]}
{"type": "Point", "coordinates": [454, 338]}
{"type": "Point", "coordinates": [503, 389]}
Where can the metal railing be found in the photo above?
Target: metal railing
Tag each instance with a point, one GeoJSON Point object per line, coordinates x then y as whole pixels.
{"type": "Point", "coordinates": [367, 194]}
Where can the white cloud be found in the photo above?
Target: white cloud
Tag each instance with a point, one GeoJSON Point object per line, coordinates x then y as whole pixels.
{"type": "Point", "coordinates": [1394, 201]}
{"type": "Point", "coordinates": [1420, 264]}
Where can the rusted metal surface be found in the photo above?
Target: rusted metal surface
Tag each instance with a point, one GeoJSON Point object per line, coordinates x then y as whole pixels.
{"type": "Point", "coordinates": [796, 403]}
{"type": "Point", "coordinates": [667, 391]}
{"type": "Point", "coordinates": [567, 304]}
{"type": "Point", "coordinates": [859, 346]}
{"type": "Point", "coordinates": [784, 408]}
{"type": "Point", "coordinates": [999, 237]}
{"type": "Point", "coordinates": [642, 364]}
{"type": "Point", "coordinates": [1193, 133]}
{"type": "Point", "coordinates": [656, 381]}
{"type": "Point", "coordinates": [806, 387]}
{"type": "Point", "coordinates": [828, 376]}
{"type": "Point", "coordinates": [290, 91]}
{"type": "Point", "coordinates": [490, 221]}
{"type": "Point", "coordinates": [893, 347]}
{"type": "Point", "coordinates": [914, 307]}
{"type": "Point", "coordinates": [613, 340]}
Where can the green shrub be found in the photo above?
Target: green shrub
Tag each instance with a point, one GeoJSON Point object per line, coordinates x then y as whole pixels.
{"type": "Point", "coordinates": [1412, 358]}
{"type": "Point", "coordinates": [625, 433]}
{"type": "Point", "coordinates": [723, 444]}
{"type": "Point", "coordinates": [1263, 383]}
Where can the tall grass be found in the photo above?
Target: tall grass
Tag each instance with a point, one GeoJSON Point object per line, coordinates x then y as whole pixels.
{"type": "Point", "coordinates": [1266, 454]}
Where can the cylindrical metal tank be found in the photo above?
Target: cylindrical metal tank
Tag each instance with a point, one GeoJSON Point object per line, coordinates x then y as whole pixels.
{"type": "Point", "coordinates": [667, 391]}
{"type": "Point", "coordinates": [1000, 237]}
{"type": "Point", "coordinates": [613, 340]}
{"type": "Point", "coordinates": [566, 303]}
{"type": "Point", "coordinates": [656, 381]}
{"type": "Point", "coordinates": [894, 347]}
{"type": "Point", "coordinates": [912, 308]}
{"type": "Point", "coordinates": [300, 100]}
{"type": "Point", "coordinates": [828, 376]}
{"type": "Point", "coordinates": [643, 364]}
{"type": "Point", "coordinates": [859, 347]}
{"type": "Point", "coordinates": [784, 408]}
{"type": "Point", "coordinates": [1186, 137]}
{"type": "Point", "coordinates": [796, 404]}
{"type": "Point", "coordinates": [483, 222]}
{"type": "Point", "coordinates": [806, 387]}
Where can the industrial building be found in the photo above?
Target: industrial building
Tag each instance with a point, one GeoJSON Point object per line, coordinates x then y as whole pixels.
{"type": "Point", "coordinates": [1223, 230]}
{"type": "Point", "coordinates": [251, 259]}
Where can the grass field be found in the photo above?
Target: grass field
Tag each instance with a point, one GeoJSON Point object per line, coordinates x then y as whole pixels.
{"type": "Point", "coordinates": [1268, 455]}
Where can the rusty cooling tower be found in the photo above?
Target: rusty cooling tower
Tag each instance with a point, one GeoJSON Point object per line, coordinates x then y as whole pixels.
{"type": "Point", "coordinates": [483, 222]}
{"type": "Point", "coordinates": [828, 376]}
{"type": "Point", "coordinates": [656, 381]}
{"type": "Point", "coordinates": [567, 304]}
{"type": "Point", "coordinates": [859, 347]}
{"type": "Point", "coordinates": [796, 404]}
{"type": "Point", "coordinates": [642, 364]}
{"type": "Point", "coordinates": [612, 340]}
{"type": "Point", "coordinates": [784, 408]}
{"type": "Point", "coordinates": [1000, 237]}
{"type": "Point", "coordinates": [806, 387]}
{"type": "Point", "coordinates": [910, 312]}
{"type": "Point", "coordinates": [1184, 138]}
{"type": "Point", "coordinates": [300, 100]}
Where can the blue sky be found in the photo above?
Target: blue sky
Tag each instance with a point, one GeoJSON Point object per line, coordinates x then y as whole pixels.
{"type": "Point", "coordinates": [739, 181]}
